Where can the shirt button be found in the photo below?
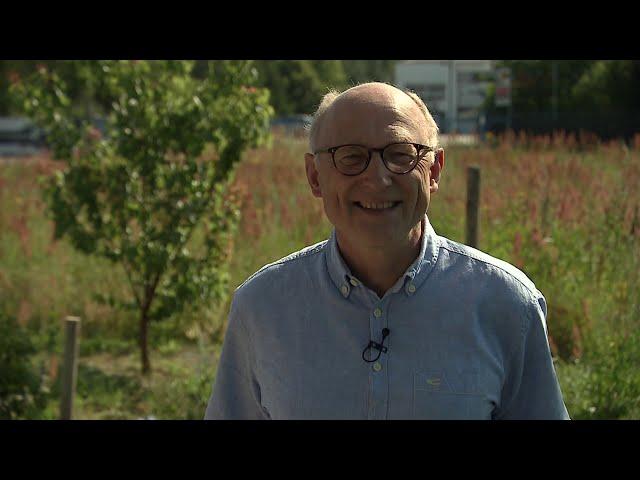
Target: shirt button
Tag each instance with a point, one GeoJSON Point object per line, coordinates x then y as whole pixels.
{"type": "Point", "coordinates": [412, 288]}
{"type": "Point", "coordinates": [354, 282]}
{"type": "Point", "coordinates": [377, 366]}
{"type": "Point", "coordinates": [377, 312]}
{"type": "Point", "coordinates": [344, 289]}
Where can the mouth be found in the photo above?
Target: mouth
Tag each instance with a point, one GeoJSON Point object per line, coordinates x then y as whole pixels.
{"type": "Point", "coordinates": [374, 207]}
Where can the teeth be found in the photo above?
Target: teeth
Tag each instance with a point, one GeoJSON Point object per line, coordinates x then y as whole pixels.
{"type": "Point", "coordinates": [376, 205]}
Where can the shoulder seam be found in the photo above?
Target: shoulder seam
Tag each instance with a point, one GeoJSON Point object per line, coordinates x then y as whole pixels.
{"type": "Point", "coordinates": [312, 250]}
{"type": "Point", "coordinates": [533, 291]}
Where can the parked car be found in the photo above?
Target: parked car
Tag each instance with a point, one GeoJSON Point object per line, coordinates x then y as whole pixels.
{"type": "Point", "coordinates": [292, 124]}
{"type": "Point", "coordinates": [19, 136]}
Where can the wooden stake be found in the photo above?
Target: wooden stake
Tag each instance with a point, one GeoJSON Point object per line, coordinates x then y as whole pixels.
{"type": "Point", "coordinates": [70, 367]}
{"type": "Point", "coordinates": [473, 202]}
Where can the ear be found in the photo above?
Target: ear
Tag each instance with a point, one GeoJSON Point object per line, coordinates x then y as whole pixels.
{"type": "Point", "coordinates": [436, 170]}
{"type": "Point", "coordinates": [312, 174]}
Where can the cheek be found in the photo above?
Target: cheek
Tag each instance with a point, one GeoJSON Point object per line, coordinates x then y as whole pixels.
{"type": "Point", "coordinates": [418, 190]}
{"type": "Point", "coordinates": [423, 171]}
{"type": "Point", "coordinates": [333, 192]}
{"type": "Point", "coordinates": [421, 182]}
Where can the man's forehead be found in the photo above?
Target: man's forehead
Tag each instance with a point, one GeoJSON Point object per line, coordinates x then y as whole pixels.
{"type": "Point", "coordinates": [377, 110]}
{"type": "Point", "coordinates": [371, 95]}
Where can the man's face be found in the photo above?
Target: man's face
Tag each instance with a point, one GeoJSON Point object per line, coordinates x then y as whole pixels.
{"type": "Point", "coordinates": [373, 117]}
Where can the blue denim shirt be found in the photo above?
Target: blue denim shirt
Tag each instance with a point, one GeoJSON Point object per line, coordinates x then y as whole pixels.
{"type": "Point", "coordinates": [467, 340]}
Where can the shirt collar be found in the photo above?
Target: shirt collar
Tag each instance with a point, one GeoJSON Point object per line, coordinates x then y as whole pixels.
{"type": "Point", "coordinates": [417, 272]}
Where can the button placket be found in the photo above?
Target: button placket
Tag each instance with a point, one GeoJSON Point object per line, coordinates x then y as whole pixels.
{"type": "Point", "coordinates": [378, 372]}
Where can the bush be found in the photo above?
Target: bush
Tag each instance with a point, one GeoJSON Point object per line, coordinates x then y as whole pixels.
{"type": "Point", "coordinates": [22, 391]}
{"type": "Point", "coordinates": [185, 396]}
{"type": "Point", "coordinates": [605, 383]}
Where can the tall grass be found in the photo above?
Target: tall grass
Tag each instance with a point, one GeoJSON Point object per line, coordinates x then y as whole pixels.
{"type": "Point", "coordinates": [565, 209]}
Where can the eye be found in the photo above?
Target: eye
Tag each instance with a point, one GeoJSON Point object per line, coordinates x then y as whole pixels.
{"type": "Point", "coordinates": [401, 157]}
{"type": "Point", "coordinates": [351, 159]}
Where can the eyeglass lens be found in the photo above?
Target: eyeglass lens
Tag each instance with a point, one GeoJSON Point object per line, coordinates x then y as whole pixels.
{"type": "Point", "coordinates": [398, 158]}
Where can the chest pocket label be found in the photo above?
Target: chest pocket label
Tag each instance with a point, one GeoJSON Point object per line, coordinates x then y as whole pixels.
{"type": "Point", "coordinates": [432, 381]}
{"type": "Point", "coordinates": [438, 397]}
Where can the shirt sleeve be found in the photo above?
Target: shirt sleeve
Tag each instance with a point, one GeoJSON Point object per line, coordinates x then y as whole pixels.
{"type": "Point", "coordinates": [531, 390]}
{"type": "Point", "coordinates": [236, 392]}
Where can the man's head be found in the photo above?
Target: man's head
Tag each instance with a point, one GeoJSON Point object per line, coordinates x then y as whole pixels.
{"type": "Point", "coordinates": [377, 207]}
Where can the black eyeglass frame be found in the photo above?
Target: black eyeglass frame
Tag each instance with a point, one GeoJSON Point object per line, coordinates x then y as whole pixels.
{"type": "Point", "coordinates": [418, 146]}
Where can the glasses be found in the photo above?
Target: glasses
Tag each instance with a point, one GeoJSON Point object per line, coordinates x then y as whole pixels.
{"type": "Point", "coordinates": [397, 157]}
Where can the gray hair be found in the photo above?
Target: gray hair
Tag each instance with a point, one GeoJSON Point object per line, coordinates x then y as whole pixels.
{"type": "Point", "coordinates": [333, 94]}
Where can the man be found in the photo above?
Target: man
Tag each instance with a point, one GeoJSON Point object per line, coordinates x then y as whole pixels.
{"type": "Point", "coordinates": [386, 319]}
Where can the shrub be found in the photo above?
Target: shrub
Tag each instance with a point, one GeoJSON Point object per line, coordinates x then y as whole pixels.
{"type": "Point", "coordinates": [185, 396]}
{"type": "Point", "coordinates": [22, 391]}
{"type": "Point", "coordinates": [605, 383]}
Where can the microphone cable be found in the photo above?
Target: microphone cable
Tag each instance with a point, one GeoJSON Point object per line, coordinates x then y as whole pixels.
{"type": "Point", "coordinates": [378, 346]}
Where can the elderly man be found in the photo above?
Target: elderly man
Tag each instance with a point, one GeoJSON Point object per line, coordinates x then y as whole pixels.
{"type": "Point", "coordinates": [386, 319]}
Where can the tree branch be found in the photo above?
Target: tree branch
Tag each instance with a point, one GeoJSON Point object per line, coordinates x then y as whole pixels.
{"type": "Point", "coordinates": [133, 288]}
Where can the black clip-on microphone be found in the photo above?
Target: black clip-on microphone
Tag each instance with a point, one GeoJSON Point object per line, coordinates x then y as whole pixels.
{"type": "Point", "coordinates": [378, 346]}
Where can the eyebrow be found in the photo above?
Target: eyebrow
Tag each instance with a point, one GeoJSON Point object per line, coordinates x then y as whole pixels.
{"type": "Point", "coordinates": [403, 134]}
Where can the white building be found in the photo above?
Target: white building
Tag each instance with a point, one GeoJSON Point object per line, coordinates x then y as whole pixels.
{"type": "Point", "coordinates": [454, 90]}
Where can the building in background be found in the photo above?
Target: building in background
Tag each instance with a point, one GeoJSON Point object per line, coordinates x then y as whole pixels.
{"type": "Point", "coordinates": [454, 90]}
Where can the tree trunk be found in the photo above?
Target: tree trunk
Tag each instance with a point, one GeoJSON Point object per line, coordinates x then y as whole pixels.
{"type": "Point", "coordinates": [149, 294]}
{"type": "Point", "coordinates": [144, 344]}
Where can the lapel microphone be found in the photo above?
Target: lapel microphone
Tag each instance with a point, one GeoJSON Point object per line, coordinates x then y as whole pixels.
{"type": "Point", "coordinates": [378, 346]}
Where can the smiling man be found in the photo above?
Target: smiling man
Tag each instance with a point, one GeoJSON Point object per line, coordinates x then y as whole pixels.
{"type": "Point", "coordinates": [385, 319]}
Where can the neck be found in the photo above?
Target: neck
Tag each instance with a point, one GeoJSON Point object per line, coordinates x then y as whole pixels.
{"type": "Point", "coordinates": [380, 266]}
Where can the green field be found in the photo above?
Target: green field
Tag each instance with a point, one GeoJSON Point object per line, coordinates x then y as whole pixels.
{"type": "Point", "coordinates": [563, 209]}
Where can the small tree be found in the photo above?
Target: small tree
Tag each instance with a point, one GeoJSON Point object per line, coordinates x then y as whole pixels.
{"type": "Point", "coordinates": [141, 195]}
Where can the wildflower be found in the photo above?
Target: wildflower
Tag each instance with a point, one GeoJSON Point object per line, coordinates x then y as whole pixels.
{"type": "Point", "coordinates": [517, 250]}
{"type": "Point", "coordinates": [14, 77]}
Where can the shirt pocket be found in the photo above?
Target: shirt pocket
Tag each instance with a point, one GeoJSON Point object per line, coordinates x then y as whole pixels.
{"type": "Point", "coordinates": [437, 398]}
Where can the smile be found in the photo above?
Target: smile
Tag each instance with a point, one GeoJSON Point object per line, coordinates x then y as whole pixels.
{"type": "Point", "coordinates": [377, 205]}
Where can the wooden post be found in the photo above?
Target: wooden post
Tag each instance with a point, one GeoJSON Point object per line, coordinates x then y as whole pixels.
{"type": "Point", "coordinates": [473, 201]}
{"type": "Point", "coordinates": [70, 367]}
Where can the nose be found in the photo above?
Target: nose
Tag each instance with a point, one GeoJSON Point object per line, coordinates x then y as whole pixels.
{"type": "Point", "coordinates": [377, 173]}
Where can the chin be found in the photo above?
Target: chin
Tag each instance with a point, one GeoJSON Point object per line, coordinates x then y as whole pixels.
{"type": "Point", "coordinates": [382, 235]}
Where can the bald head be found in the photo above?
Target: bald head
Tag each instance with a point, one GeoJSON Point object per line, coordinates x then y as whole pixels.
{"type": "Point", "coordinates": [374, 103]}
